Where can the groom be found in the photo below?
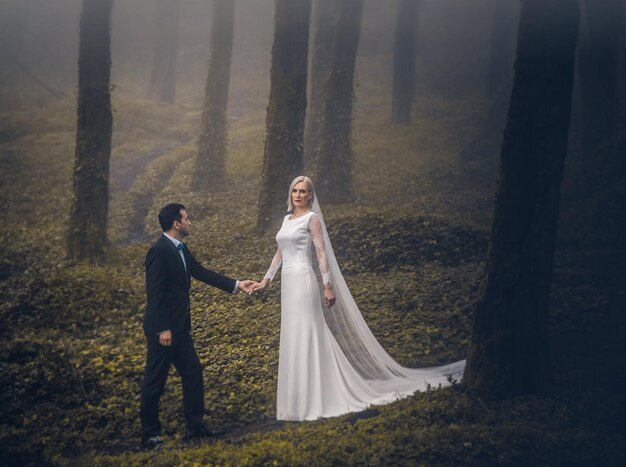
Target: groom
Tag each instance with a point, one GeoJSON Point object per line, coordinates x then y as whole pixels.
{"type": "Point", "coordinates": [167, 324]}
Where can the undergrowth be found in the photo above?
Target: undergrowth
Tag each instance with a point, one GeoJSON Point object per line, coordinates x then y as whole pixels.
{"type": "Point", "coordinates": [412, 248]}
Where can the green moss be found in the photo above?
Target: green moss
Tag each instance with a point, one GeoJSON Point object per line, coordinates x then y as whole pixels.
{"type": "Point", "coordinates": [412, 248]}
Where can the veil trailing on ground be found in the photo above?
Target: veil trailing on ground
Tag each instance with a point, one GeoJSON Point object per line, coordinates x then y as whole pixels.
{"type": "Point", "coordinates": [362, 349]}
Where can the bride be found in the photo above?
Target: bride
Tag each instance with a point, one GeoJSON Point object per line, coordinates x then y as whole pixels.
{"type": "Point", "coordinates": [329, 363]}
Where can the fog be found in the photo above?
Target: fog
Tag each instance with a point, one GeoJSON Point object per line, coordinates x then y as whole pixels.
{"type": "Point", "coordinates": [473, 195]}
{"type": "Point", "coordinates": [40, 42]}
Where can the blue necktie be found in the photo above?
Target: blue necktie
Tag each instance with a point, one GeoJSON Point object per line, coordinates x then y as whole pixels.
{"type": "Point", "coordinates": [181, 246]}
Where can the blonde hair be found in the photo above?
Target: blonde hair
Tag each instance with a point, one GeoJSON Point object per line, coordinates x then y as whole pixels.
{"type": "Point", "coordinates": [309, 182]}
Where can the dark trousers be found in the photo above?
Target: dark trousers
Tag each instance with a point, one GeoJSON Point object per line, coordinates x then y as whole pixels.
{"type": "Point", "coordinates": [183, 355]}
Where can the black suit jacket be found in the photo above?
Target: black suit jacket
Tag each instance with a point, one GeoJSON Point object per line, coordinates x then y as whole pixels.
{"type": "Point", "coordinates": [167, 287]}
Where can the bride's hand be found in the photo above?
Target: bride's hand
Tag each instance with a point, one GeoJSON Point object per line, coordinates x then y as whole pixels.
{"type": "Point", "coordinates": [329, 297]}
{"type": "Point", "coordinates": [259, 286]}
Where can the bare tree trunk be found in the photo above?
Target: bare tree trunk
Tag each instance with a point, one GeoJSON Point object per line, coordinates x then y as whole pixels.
{"type": "Point", "coordinates": [163, 78]}
{"type": "Point", "coordinates": [325, 12]}
{"type": "Point", "coordinates": [334, 175]}
{"type": "Point", "coordinates": [211, 158]}
{"type": "Point", "coordinates": [621, 75]}
{"type": "Point", "coordinates": [282, 158]}
{"type": "Point", "coordinates": [88, 218]}
{"type": "Point", "coordinates": [503, 34]}
{"type": "Point", "coordinates": [598, 56]}
{"type": "Point", "coordinates": [404, 62]}
{"type": "Point", "coordinates": [509, 351]}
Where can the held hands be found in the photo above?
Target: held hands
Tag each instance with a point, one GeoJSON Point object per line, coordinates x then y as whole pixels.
{"type": "Point", "coordinates": [250, 287]}
{"type": "Point", "coordinates": [258, 286]}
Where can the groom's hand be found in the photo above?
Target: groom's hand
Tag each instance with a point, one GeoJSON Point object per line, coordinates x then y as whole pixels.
{"type": "Point", "coordinates": [246, 286]}
{"type": "Point", "coordinates": [165, 338]}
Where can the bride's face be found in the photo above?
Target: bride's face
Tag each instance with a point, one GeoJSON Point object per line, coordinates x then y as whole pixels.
{"type": "Point", "coordinates": [300, 195]}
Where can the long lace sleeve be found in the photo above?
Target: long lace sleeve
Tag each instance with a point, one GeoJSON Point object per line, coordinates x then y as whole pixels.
{"type": "Point", "coordinates": [271, 272]}
{"type": "Point", "coordinates": [317, 236]}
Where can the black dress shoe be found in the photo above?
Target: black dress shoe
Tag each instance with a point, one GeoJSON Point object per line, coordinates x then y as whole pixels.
{"type": "Point", "coordinates": [152, 442]}
{"type": "Point", "coordinates": [204, 432]}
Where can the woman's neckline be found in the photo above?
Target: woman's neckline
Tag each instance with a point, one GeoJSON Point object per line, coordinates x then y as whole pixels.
{"type": "Point", "coordinates": [291, 218]}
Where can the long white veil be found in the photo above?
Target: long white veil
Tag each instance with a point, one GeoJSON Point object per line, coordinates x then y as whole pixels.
{"type": "Point", "coordinates": [362, 349]}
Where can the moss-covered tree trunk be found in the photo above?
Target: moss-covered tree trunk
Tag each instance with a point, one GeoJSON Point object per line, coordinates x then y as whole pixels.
{"type": "Point", "coordinates": [509, 347]}
{"type": "Point", "coordinates": [88, 218]}
{"type": "Point", "coordinates": [284, 134]}
{"type": "Point", "coordinates": [503, 34]}
{"type": "Point", "coordinates": [598, 57]}
{"type": "Point", "coordinates": [334, 167]}
{"type": "Point", "coordinates": [404, 62]}
{"type": "Point", "coordinates": [163, 77]}
{"type": "Point", "coordinates": [211, 157]}
{"type": "Point", "coordinates": [325, 21]}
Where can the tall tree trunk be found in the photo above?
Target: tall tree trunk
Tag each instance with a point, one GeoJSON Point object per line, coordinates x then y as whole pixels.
{"type": "Point", "coordinates": [509, 348]}
{"type": "Point", "coordinates": [503, 34]}
{"type": "Point", "coordinates": [602, 21]}
{"type": "Point", "coordinates": [282, 158]}
{"type": "Point", "coordinates": [621, 75]}
{"type": "Point", "coordinates": [404, 62]}
{"type": "Point", "coordinates": [163, 78]}
{"type": "Point", "coordinates": [88, 218]}
{"type": "Point", "coordinates": [325, 13]}
{"type": "Point", "coordinates": [211, 156]}
{"type": "Point", "coordinates": [334, 175]}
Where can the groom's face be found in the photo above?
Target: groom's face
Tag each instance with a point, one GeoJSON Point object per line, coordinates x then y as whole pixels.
{"type": "Point", "coordinates": [184, 225]}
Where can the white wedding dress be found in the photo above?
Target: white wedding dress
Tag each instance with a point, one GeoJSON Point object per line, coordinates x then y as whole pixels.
{"type": "Point", "coordinates": [324, 372]}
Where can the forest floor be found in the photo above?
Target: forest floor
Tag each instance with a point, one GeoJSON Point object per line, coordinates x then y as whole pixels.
{"type": "Point", "coordinates": [412, 249]}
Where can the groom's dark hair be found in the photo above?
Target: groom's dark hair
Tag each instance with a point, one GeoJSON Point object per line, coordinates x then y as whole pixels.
{"type": "Point", "coordinates": [169, 214]}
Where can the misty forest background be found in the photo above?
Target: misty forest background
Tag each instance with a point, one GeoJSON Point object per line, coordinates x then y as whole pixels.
{"type": "Point", "coordinates": [476, 210]}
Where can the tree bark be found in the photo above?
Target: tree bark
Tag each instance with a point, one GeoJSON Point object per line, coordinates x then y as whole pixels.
{"type": "Point", "coordinates": [163, 77]}
{"type": "Point", "coordinates": [211, 157]}
{"type": "Point", "coordinates": [509, 351]}
{"type": "Point", "coordinates": [282, 158]}
{"type": "Point", "coordinates": [503, 34]}
{"type": "Point", "coordinates": [88, 218]}
{"type": "Point", "coordinates": [404, 62]}
{"type": "Point", "coordinates": [334, 174]}
{"type": "Point", "coordinates": [598, 61]}
{"type": "Point", "coordinates": [325, 12]}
